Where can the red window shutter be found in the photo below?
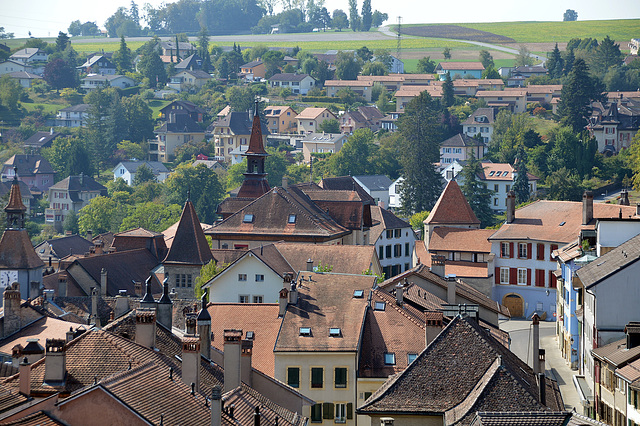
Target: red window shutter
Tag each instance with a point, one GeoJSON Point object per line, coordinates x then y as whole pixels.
{"type": "Point", "coordinates": [540, 251]}
{"type": "Point", "coordinates": [497, 275]}
{"type": "Point", "coordinates": [553, 248]}
{"type": "Point", "coordinates": [513, 276]}
{"type": "Point", "coordinates": [529, 250]}
{"type": "Point", "coordinates": [540, 278]}
{"type": "Point", "coordinates": [528, 276]}
{"type": "Point", "coordinates": [511, 250]}
{"type": "Point", "coordinates": [552, 279]}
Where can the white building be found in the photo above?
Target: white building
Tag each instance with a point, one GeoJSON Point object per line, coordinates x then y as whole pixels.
{"type": "Point", "coordinates": [394, 194]}
{"type": "Point", "coordinates": [394, 240]}
{"type": "Point", "coordinates": [480, 122]}
{"type": "Point", "coordinates": [73, 116]}
{"type": "Point", "coordinates": [127, 170]}
{"type": "Point", "coordinates": [94, 81]}
{"type": "Point", "coordinates": [377, 186]}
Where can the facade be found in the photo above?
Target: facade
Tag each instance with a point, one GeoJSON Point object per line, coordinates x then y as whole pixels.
{"type": "Point", "coordinates": [480, 122]}
{"type": "Point", "coordinates": [395, 194]}
{"type": "Point", "coordinates": [470, 87]}
{"type": "Point", "coordinates": [183, 49]}
{"type": "Point", "coordinates": [394, 241]}
{"type": "Point", "coordinates": [94, 81]}
{"type": "Point", "coordinates": [322, 143]}
{"type": "Point", "coordinates": [280, 119]}
{"type": "Point", "coordinates": [300, 84]}
{"type": "Point", "coordinates": [408, 92]}
{"type": "Point", "coordinates": [364, 117]}
{"type": "Point", "coordinates": [98, 64]}
{"type": "Point", "coordinates": [460, 70]}
{"type": "Point", "coordinates": [499, 177]}
{"type": "Point", "coordinates": [127, 170]}
{"type": "Point", "coordinates": [183, 124]}
{"type": "Point", "coordinates": [309, 119]}
{"type": "Point", "coordinates": [389, 121]}
{"type": "Point", "coordinates": [9, 66]}
{"type": "Point", "coordinates": [460, 148]}
{"type": "Point", "coordinates": [30, 55]}
{"type": "Point", "coordinates": [189, 80]}
{"type": "Point", "coordinates": [614, 125]}
{"type": "Point", "coordinates": [32, 169]}
{"type": "Point", "coordinates": [253, 70]}
{"type": "Point", "coordinates": [377, 186]}
{"type": "Point", "coordinates": [360, 87]}
{"type": "Point", "coordinates": [232, 132]}
{"type": "Point", "coordinates": [71, 194]}
{"type": "Point", "coordinates": [25, 78]}
{"type": "Point", "coordinates": [73, 116]}
{"type": "Point", "coordinates": [514, 100]}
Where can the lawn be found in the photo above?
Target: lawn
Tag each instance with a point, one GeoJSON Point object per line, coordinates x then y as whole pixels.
{"type": "Point", "coordinates": [542, 126]}
{"type": "Point", "coordinates": [48, 108]}
{"type": "Point", "coordinates": [156, 105]}
{"type": "Point", "coordinates": [106, 45]}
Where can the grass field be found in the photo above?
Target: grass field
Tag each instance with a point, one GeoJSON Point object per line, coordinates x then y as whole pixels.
{"type": "Point", "coordinates": [108, 45]}
{"type": "Point", "coordinates": [156, 105]}
{"type": "Point", "coordinates": [549, 32]}
{"type": "Point", "coordinates": [48, 108]}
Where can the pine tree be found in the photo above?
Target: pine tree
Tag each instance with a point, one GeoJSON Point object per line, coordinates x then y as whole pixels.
{"type": "Point", "coordinates": [203, 49]}
{"type": "Point", "coordinates": [577, 94]}
{"type": "Point", "coordinates": [477, 194]}
{"type": "Point", "coordinates": [366, 15]}
{"type": "Point", "coordinates": [568, 61]}
{"type": "Point", "coordinates": [354, 18]}
{"type": "Point", "coordinates": [123, 57]}
{"type": "Point", "coordinates": [521, 183]}
{"type": "Point", "coordinates": [447, 92]}
{"type": "Point", "coordinates": [177, 50]}
{"type": "Point", "coordinates": [555, 63]}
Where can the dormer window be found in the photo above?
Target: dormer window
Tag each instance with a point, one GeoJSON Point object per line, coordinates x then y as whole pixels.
{"type": "Point", "coordinates": [248, 218]}
{"type": "Point", "coordinates": [305, 331]}
{"type": "Point", "coordinates": [379, 306]}
{"type": "Point", "coordinates": [335, 332]}
{"type": "Point", "coordinates": [292, 218]}
{"type": "Point", "coordinates": [358, 294]}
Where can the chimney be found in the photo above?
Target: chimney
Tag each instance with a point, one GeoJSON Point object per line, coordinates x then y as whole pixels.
{"type": "Point", "coordinates": [25, 377]}
{"type": "Point", "coordinates": [285, 182]}
{"type": "Point", "coordinates": [587, 207]}
{"type": "Point", "coordinates": [632, 331]}
{"type": "Point", "coordinates": [638, 209]}
{"type": "Point", "coordinates": [309, 265]}
{"type": "Point", "coordinates": [122, 304]}
{"type": "Point", "coordinates": [283, 300]}
{"type": "Point", "coordinates": [94, 307]}
{"type": "Point", "coordinates": [451, 289]}
{"type": "Point", "coordinates": [81, 179]}
{"type": "Point", "coordinates": [67, 233]}
{"type": "Point", "coordinates": [12, 301]}
{"type": "Point", "coordinates": [204, 328]}
{"type": "Point", "coordinates": [437, 264]}
{"type": "Point", "coordinates": [232, 350]}
{"type": "Point", "coordinates": [191, 323]}
{"type": "Point", "coordinates": [103, 281]}
{"type": "Point", "coordinates": [542, 394]}
{"type": "Point", "coordinates": [433, 325]}
{"type": "Point", "coordinates": [165, 307]}
{"type": "Point", "coordinates": [511, 206]}
{"type": "Point", "coordinates": [293, 294]}
{"type": "Point", "coordinates": [542, 360]}
{"type": "Point", "coordinates": [191, 361]}
{"type": "Point", "coordinates": [51, 131]}
{"type": "Point", "coordinates": [55, 365]}
{"type": "Point", "coordinates": [62, 285]}
{"type": "Point", "coordinates": [399, 294]}
{"type": "Point", "coordinates": [624, 198]}
{"type": "Point", "coordinates": [536, 342]}
{"type": "Point", "coordinates": [89, 235]}
{"type": "Point", "coordinates": [146, 327]}
{"type": "Point", "coordinates": [216, 406]}
{"type": "Point", "coordinates": [70, 335]}
{"type": "Point", "coordinates": [33, 350]}
{"type": "Point", "coordinates": [256, 416]}
{"type": "Point", "coordinates": [245, 359]}
{"type": "Point", "coordinates": [148, 302]}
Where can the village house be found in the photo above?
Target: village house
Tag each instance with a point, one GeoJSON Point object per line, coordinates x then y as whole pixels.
{"type": "Point", "coordinates": [182, 125]}
{"type": "Point", "coordinates": [25, 78]}
{"type": "Point", "coordinates": [360, 87]}
{"type": "Point", "coordinates": [73, 116]}
{"type": "Point", "coordinates": [192, 63]}
{"type": "Point", "coordinates": [377, 186]}
{"type": "Point", "coordinates": [408, 92]}
{"type": "Point", "coordinates": [280, 119]}
{"type": "Point", "coordinates": [40, 140]}
{"type": "Point", "coordinates": [631, 388]}
{"type": "Point", "coordinates": [32, 169]}
{"type": "Point", "coordinates": [614, 125]}
{"type": "Point", "coordinates": [364, 117]}
{"type": "Point", "coordinates": [98, 64]}
{"type": "Point", "coordinates": [71, 194]}
{"type": "Point", "coordinates": [322, 143]}
{"type": "Point", "coordinates": [299, 84]}
{"type": "Point", "coordinates": [253, 70]}
{"type": "Point", "coordinates": [189, 80]}
{"type": "Point", "coordinates": [500, 177]}
{"type": "Point", "coordinates": [10, 66]}
{"type": "Point", "coordinates": [183, 50]}
{"type": "Point", "coordinates": [469, 87]}
{"type": "Point", "coordinates": [232, 132]}
{"type": "Point", "coordinates": [27, 196]}
{"type": "Point", "coordinates": [394, 241]}
{"type": "Point", "coordinates": [54, 249]}
{"type": "Point", "coordinates": [310, 119]}
{"type": "Point", "coordinates": [95, 81]}
{"type": "Point", "coordinates": [390, 121]}
{"type": "Point", "coordinates": [461, 147]}
{"type": "Point", "coordinates": [30, 55]}
{"type": "Point", "coordinates": [514, 100]}
{"type": "Point", "coordinates": [127, 170]}
{"type": "Point", "coordinates": [459, 70]}
{"type": "Point", "coordinates": [480, 122]}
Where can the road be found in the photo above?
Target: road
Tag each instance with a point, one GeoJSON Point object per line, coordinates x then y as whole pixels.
{"type": "Point", "coordinates": [555, 366]}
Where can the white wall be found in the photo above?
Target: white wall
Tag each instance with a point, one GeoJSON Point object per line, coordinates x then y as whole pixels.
{"type": "Point", "coordinates": [227, 288]}
{"type": "Point", "coordinates": [614, 233]}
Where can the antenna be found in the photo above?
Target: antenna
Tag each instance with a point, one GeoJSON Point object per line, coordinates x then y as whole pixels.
{"type": "Point", "coordinates": [399, 37]}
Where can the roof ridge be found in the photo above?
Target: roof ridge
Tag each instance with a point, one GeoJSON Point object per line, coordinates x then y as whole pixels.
{"type": "Point", "coordinates": [410, 317]}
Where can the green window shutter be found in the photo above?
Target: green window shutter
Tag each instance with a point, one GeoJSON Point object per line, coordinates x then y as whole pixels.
{"type": "Point", "coordinates": [349, 410]}
{"type": "Point", "coordinates": [327, 410]}
{"type": "Point", "coordinates": [316, 413]}
{"type": "Point", "coordinates": [317, 377]}
{"type": "Point", "coordinates": [293, 377]}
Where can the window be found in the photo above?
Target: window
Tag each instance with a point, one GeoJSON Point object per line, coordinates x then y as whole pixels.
{"type": "Point", "coordinates": [379, 306]}
{"type": "Point", "coordinates": [305, 331]}
{"type": "Point", "coordinates": [335, 332]}
{"type": "Point", "coordinates": [397, 250]}
{"type": "Point", "coordinates": [242, 277]}
{"type": "Point", "coordinates": [317, 377]}
{"type": "Point", "coordinates": [189, 280]}
{"type": "Point", "coordinates": [248, 218]}
{"type": "Point", "coordinates": [367, 395]}
{"type": "Point", "coordinates": [381, 252]}
{"type": "Point", "coordinates": [389, 234]}
{"type": "Point", "coordinates": [397, 233]}
{"type": "Point", "coordinates": [411, 358]}
{"type": "Point", "coordinates": [292, 218]}
{"type": "Point", "coordinates": [504, 250]}
{"type": "Point", "coordinates": [388, 251]}
{"type": "Point", "coordinates": [293, 377]}
{"type": "Point", "coordinates": [340, 377]}
{"type": "Point", "coordinates": [522, 276]}
{"type": "Point", "coordinates": [358, 294]}
{"type": "Point", "coordinates": [495, 201]}
{"type": "Point", "coordinates": [495, 187]}
{"type": "Point", "coordinates": [341, 413]}
{"type": "Point", "coordinates": [316, 413]}
{"type": "Point", "coordinates": [504, 275]}
{"type": "Point", "coordinates": [522, 250]}
{"type": "Point", "coordinates": [243, 298]}
{"type": "Point", "coordinates": [258, 299]}
{"type": "Point", "coordinates": [508, 186]}
{"type": "Point", "coordinates": [390, 358]}
{"type": "Point", "coordinates": [259, 278]}
{"type": "Point", "coordinates": [406, 249]}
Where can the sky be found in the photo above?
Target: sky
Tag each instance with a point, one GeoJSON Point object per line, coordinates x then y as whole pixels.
{"type": "Point", "coordinates": [44, 18]}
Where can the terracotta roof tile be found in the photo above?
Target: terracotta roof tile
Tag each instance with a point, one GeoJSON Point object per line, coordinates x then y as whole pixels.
{"type": "Point", "coordinates": [189, 245]}
{"type": "Point", "coordinates": [346, 183]}
{"type": "Point", "coordinates": [42, 329]}
{"type": "Point", "coordinates": [313, 113]}
{"type": "Point", "coordinates": [386, 220]}
{"type": "Point", "coordinates": [10, 398]}
{"type": "Point", "coordinates": [343, 259]}
{"type": "Point", "coordinates": [460, 239]}
{"type": "Point", "coordinates": [452, 208]}
{"type": "Point", "coordinates": [40, 418]}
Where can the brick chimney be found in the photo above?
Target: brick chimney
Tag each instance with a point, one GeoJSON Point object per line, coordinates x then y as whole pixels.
{"type": "Point", "coordinates": [587, 207]}
{"type": "Point", "coordinates": [245, 362]}
{"type": "Point", "coordinates": [437, 264]}
{"type": "Point", "coordinates": [232, 362]}
{"type": "Point", "coordinates": [146, 327]}
{"type": "Point", "coordinates": [103, 281]}
{"type": "Point", "coordinates": [191, 361]}
{"type": "Point", "coordinates": [25, 377]}
{"type": "Point", "coordinates": [283, 300]}
{"type": "Point", "coordinates": [216, 406]}
{"type": "Point", "coordinates": [536, 342]}
{"type": "Point", "coordinates": [204, 328]}
{"type": "Point", "coordinates": [511, 206]}
{"type": "Point", "coordinates": [165, 307]}
{"type": "Point", "coordinates": [433, 325]}
{"type": "Point", "coordinates": [12, 317]}
{"type": "Point", "coordinates": [55, 364]}
{"type": "Point", "coordinates": [122, 304]}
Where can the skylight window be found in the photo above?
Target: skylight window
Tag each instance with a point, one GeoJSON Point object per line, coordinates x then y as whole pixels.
{"type": "Point", "coordinates": [248, 218]}
{"type": "Point", "coordinates": [292, 218]}
{"type": "Point", "coordinates": [335, 332]}
{"type": "Point", "coordinates": [358, 294]}
{"type": "Point", "coordinates": [562, 223]}
{"type": "Point", "coordinates": [305, 331]}
{"type": "Point", "coordinates": [379, 306]}
{"type": "Point", "coordinates": [491, 173]}
{"type": "Point", "coordinates": [390, 358]}
{"type": "Point", "coordinates": [250, 335]}
{"type": "Point", "coordinates": [411, 357]}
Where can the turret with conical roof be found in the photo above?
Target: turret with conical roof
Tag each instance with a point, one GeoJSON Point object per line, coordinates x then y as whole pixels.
{"type": "Point", "coordinates": [15, 209]}
{"type": "Point", "coordinates": [255, 179]}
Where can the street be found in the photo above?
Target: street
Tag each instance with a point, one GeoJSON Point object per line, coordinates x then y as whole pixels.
{"type": "Point", "coordinates": [555, 366]}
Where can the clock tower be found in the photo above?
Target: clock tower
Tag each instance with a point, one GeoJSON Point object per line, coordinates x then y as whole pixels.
{"type": "Point", "coordinates": [18, 260]}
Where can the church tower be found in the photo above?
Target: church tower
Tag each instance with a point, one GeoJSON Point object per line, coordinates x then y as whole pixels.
{"type": "Point", "coordinates": [255, 179]}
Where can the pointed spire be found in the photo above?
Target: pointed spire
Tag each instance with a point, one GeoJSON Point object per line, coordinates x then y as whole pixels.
{"type": "Point", "coordinates": [256, 145]}
{"type": "Point", "coordinates": [15, 209]}
{"type": "Point", "coordinates": [189, 244]}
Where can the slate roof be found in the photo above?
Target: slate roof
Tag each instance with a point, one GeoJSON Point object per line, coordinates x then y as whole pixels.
{"type": "Point", "coordinates": [75, 184]}
{"type": "Point", "coordinates": [41, 139]}
{"type": "Point", "coordinates": [155, 166]}
{"type": "Point", "coordinates": [189, 245]}
{"type": "Point", "coordinates": [240, 123]}
{"type": "Point", "coordinates": [63, 246]}
{"type": "Point", "coordinates": [288, 77]}
{"type": "Point", "coordinates": [181, 123]}
{"type": "Point", "coordinates": [486, 115]}
{"type": "Point", "coordinates": [25, 74]}
{"type": "Point", "coordinates": [95, 58]}
{"type": "Point", "coordinates": [452, 208]}
{"type": "Point", "coordinates": [183, 107]}
{"type": "Point", "coordinates": [541, 221]}
{"type": "Point", "coordinates": [346, 183]}
{"type": "Point", "coordinates": [607, 265]}
{"type": "Point", "coordinates": [375, 182]}
{"type": "Point", "coordinates": [189, 62]}
{"type": "Point", "coordinates": [325, 300]}
{"type": "Point", "coordinates": [462, 371]}
{"type": "Point", "coordinates": [385, 220]}
{"type": "Point", "coordinates": [16, 251]}
{"type": "Point", "coordinates": [461, 140]}
{"type": "Point", "coordinates": [25, 192]}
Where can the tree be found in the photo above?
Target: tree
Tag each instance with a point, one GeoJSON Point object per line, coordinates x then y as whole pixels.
{"type": "Point", "coordinates": [374, 68]}
{"type": "Point", "coordinates": [577, 93]}
{"type": "Point", "coordinates": [486, 59]}
{"type": "Point", "coordinates": [240, 98]}
{"type": "Point", "coordinates": [10, 92]}
{"type": "Point", "coordinates": [476, 192]}
{"type": "Point", "coordinates": [151, 66]}
{"type": "Point", "coordinates": [570, 15]}
{"type": "Point", "coordinates": [521, 182]}
{"type": "Point", "coordinates": [143, 174]}
{"type": "Point", "coordinates": [421, 130]}
{"type": "Point", "coordinates": [606, 55]}
{"type": "Point", "coordinates": [4, 35]}
{"type": "Point", "coordinates": [446, 53]}
{"type": "Point", "coordinates": [206, 190]}
{"type": "Point", "coordinates": [75, 28]}
{"type": "Point", "coordinates": [340, 19]}
{"type": "Point", "coordinates": [426, 65]}
{"type": "Point", "coordinates": [155, 217]}
{"type": "Point", "coordinates": [70, 223]}
{"type": "Point", "coordinates": [378, 18]}
{"type": "Point", "coordinates": [417, 220]}
{"type": "Point", "coordinates": [564, 185]}
{"type": "Point", "coordinates": [122, 57]}
{"type": "Point", "coordinates": [351, 159]}
{"type": "Point", "coordinates": [508, 133]}
{"type": "Point", "coordinates": [354, 18]}
{"type": "Point", "coordinates": [99, 216]}
{"type": "Point", "coordinates": [203, 48]}
{"type": "Point", "coordinates": [62, 41]}
{"type": "Point", "coordinates": [329, 126]}
{"type": "Point", "coordinates": [347, 68]}
{"type": "Point", "coordinates": [69, 156]}
{"type": "Point", "coordinates": [58, 74]}
{"type": "Point", "coordinates": [90, 29]}
{"type": "Point", "coordinates": [207, 272]}
{"type": "Point", "coordinates": [447, 92]}
{"type": "Point", "coordinates": [364, 54]}
{"type": "Point", "coordinates": [138, 119]}
{"type": "Point", "coordinates": [490, 73]}
{"type": "Point", "coordinates": [523, 58]}
{"type": "Point", "coordinates": [367, 18]}
{"type": "Point", "coordinates": [131, 150]}
{"type": "Point", "coordinates": [555, 64]}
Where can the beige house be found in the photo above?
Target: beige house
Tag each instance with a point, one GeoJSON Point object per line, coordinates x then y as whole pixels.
{"type": "Point", "coordinates": [406, 93]}
{"type": "Point", "coordinates": [360, 87]}
{"type": "Point", "coordinates": [177, 130]}
{"type": "Point", "coordinates": [252, 70]}
{"type": "Point", "coordinates": [515, 100]}
{"type": "Point", "coordinates": [322, 142]}
{"type": "Point", "coordinates": [232, 132]}
{"type": "Point", "coordinates": [471, 86]}
{"type": "Point", "coordinates": [189, 79]}
{"type": "Point", "coordinates": [310, 119]}
{"type": "Point", "coordinates": [281, 119]}
{"type": "Point", "coordinates": [71, 194]}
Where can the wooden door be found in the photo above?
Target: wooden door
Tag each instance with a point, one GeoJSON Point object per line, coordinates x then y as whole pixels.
{"type": "Point", "coordinates": [515, 305]}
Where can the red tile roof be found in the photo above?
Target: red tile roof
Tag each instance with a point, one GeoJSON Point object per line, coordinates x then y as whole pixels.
{"type": "Point", "coordinates": [189, 245]}
{"type": "Point", "coordinates": [446, 238]}
{"type": "Point", "coordinates": [16, 251]}
{"type": "Point", "coordinates": [452, 208]}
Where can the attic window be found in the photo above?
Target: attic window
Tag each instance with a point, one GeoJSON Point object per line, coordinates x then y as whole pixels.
{"type": "Point", "coordinates": [379, 306]}
{"type": "Point", "coordinates": [335, 332]}
{"type": "Point", "coordinates": [491, 173]}
{"type": "Point", "coordinates": [305, 331]}
{"type": "Point", "coordinates": [250, 335]}
{"type": "Point", "coordinates": [411, 358]}
{"type": "Point", "coordinates": [248, 218]}
{"type": "Point", "coordinates": [390, 358]}
{"type": "Point", "coordinates": [358, 294]}
{"type": "Point", "coordinates": [562, 223]}
{"type": "Point", "coordinates": [292, 218]}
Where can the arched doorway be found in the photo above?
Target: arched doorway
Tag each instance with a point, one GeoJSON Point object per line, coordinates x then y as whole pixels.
{"type": "Point", "coordinates": [515, 303]}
